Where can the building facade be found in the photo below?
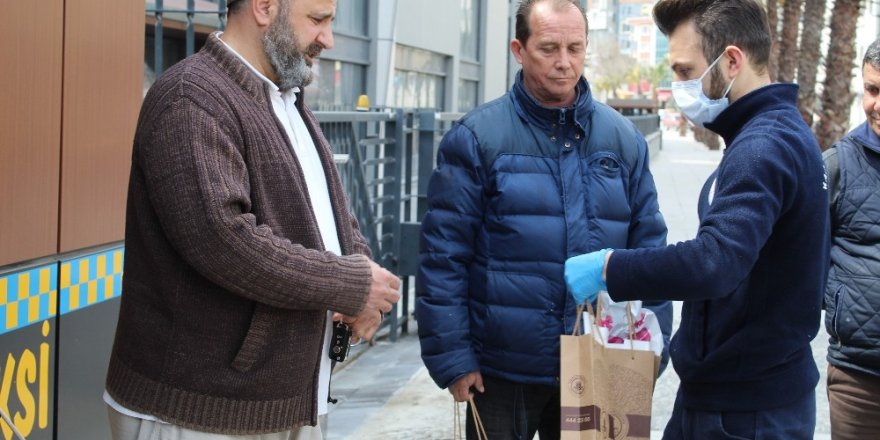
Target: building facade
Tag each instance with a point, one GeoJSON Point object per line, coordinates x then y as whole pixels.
{"type": "Point", "coordinates": [449, 55]}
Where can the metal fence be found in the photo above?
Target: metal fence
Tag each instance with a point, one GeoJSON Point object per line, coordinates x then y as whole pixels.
{"type": "Point", "coordinates": [385, 159]}
{"type": "Point", "coordinates": [188, 14]}
{"type": "Point", "coordinates": [647, 124]}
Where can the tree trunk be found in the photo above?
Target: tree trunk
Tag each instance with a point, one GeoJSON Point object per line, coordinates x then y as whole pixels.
{"type": "Point", "coordinates": [773, 22]}
{"type": "Point", "coordinates": [788, 41]}
{"type": "Point", "coordinates": [808, 64]}
{"type": "Point", "coordinates": [839, 63]}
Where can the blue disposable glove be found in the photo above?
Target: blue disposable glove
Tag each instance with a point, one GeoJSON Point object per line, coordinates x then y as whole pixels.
{"type": "Point", "coordinates": [583, 276]}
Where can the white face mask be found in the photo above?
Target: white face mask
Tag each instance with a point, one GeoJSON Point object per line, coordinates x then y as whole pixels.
{"type": "Point", "coordinates": [695, 105]}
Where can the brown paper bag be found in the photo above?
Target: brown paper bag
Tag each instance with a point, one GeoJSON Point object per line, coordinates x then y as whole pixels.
{"type": "Point", "coordinates": [605, 392]}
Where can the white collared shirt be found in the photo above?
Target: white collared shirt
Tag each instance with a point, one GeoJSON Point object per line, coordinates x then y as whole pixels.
{"type": "Point", "coordinates": [306, 153]}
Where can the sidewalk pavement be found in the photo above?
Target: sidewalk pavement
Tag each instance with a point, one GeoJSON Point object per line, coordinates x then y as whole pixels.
{"type": "Point", "coordinates": [385, 392]}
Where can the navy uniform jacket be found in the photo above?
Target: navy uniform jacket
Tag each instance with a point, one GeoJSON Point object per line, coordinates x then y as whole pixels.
{"type": "Point", "coordinates": [754, 275]}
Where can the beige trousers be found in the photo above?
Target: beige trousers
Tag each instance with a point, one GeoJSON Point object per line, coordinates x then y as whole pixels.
{"type": "Point", "coordinates": [853, 404]}
{"type": "Point", "coordinates": [125, 427]}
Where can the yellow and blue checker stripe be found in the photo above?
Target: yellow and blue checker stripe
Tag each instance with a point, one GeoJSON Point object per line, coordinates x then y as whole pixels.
{"type": "Point", "coordinates": [43, 292]}
{"type": "Point", "coordinates": [27, 297]}
{"type": "Point", "coordinates": [90, 280]}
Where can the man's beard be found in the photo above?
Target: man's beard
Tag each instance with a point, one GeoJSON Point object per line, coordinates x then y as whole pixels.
{"type": "Point", "coordinates": [716, 84]}
{"type": "Point", "coordinates": [280, 45]}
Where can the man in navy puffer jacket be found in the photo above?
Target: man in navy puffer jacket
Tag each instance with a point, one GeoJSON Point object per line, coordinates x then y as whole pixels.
{"type": "Point", "coordinates": [522, 183]}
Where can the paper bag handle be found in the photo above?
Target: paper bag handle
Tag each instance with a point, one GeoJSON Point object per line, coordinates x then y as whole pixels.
{"type": "Point", "coordinates": [630, 323]}
{"type": "Point", "coordinates": [580, 313]}
{"type": "Point", "coordinates": [478, 422]}
{"type": "Point", "coordinates": [630, 328]}
{"type": "Point", "coordinates": [577, 321]}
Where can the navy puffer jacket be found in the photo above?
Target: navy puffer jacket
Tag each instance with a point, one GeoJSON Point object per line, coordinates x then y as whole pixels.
{"type": "Point", "coordinates": [519, 188]}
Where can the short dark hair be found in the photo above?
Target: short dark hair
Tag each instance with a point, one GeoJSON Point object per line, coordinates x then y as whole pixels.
{"type": "Point", "coordinates": [872, 55]}
{"type": "Point", "coordinates": [742, 23]}
{"type": "Point", "coordinates": [525, 10]}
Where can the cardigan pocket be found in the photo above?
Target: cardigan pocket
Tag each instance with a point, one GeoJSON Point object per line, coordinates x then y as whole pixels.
{"type": "Point", "coordinates": [255, 340]}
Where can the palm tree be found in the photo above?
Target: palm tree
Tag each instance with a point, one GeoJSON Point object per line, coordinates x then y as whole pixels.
{"type": "Point", "coordinates": [609, 68]}
{"type": "Point", "coordinates": [773, 21]}
{"type": "Point", "coordinates": [787, 60]}
{"type": "Point", "coordinates": [658, 75]}
{"type": "Point", "coordinates": [836, 94]}
{"type": "Point", "coordinates": [634, 76]}
{"type": "Point", "coordinates": [808, 63]}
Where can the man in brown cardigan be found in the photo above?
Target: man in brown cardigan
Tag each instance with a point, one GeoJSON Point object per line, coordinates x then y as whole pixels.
{"type": "Point", "coordinates": [238, 241]}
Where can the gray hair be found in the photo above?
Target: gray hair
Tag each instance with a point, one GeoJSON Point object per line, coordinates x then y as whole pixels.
{"type": "Point", "coordinates": [872, 55]}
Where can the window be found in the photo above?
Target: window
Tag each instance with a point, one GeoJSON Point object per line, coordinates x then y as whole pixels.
{"type": "Point", "coordinates": [340, 74]}
{"type": "Point", "coordinates": [419, 78]}
{"type": "Point", "coordinates": [469, 63]}
{"type": "Point", "coordinates": [351, 17]}
{"type": "Point", "coordinates": [470, 29]}
{"type": "Point", "coordinates": [467, 95]}
{"type": "Point", "coordinates": [418, 90]}
{"type": "Point", "coordinates": [336, 86]}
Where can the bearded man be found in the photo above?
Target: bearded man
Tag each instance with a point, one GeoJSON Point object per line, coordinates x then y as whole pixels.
{"type": "Point", "coordinates": [239, 243]}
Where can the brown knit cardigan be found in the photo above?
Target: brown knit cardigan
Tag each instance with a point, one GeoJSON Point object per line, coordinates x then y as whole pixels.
{"type": "Point", "coordinates": [226, 282]}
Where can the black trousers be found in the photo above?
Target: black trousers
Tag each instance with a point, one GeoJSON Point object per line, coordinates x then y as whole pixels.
{"type": "Point", "coordinates": [514, 411]}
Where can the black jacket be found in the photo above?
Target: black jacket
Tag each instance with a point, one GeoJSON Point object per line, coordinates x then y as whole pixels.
{"type": "Point", "coordinates": [852, 295]}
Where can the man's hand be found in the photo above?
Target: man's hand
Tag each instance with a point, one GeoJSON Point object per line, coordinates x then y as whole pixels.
{"type": "Point", "coordinates": [585, 275]}
{"type": "Point", "coordinates": [461, 389]}
{"type": "Point", "coordinates": [384, 290]}
{"type": "Point", "coordinates": [363, 327]}
{"type": "Point", "coordinates": [383, 294]}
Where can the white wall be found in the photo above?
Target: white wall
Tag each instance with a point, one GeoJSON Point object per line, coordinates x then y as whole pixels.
{"type": "Point", "coordinates": [385, 18]}
{"type": "Point", "coordinates": [433, 25]}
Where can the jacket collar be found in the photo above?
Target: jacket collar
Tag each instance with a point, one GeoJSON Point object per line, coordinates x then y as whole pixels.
{"type": "Point", "coordinates": [533, 112]}
{"type": "Point", "coordinates": [866, 137]}
{"type": "Point", "coordinates": [770, 97]}
{"type": "Point", "coordinates": [234, 68]}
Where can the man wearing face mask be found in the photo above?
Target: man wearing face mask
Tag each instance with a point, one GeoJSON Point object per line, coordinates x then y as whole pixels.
{"type": "Point", "coordinates": [753, 277]}
{"type": "Point", "coordinates": [239, 242]}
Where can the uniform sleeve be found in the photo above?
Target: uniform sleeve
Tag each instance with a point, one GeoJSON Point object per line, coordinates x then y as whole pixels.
{"type": "Point", "coordinates": [746, 205]}
{"type": "Point", "coordinates": [449, 229]}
